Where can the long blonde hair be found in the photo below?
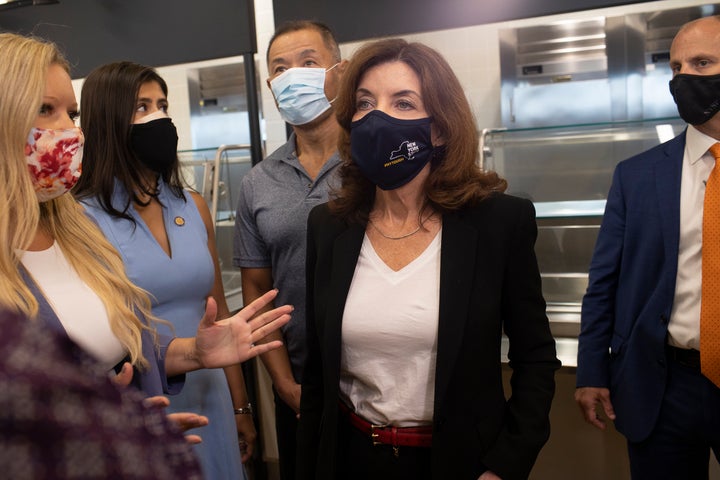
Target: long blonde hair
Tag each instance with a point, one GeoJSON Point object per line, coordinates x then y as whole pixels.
{"type": "Point", "coordinates": [23, 69]}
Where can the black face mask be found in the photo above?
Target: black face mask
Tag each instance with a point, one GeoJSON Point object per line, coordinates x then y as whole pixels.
{"type": "Point", "coordinates": [389, 151]}
{"type": "Point", "coordinates": [697, 96]}
{"type": "Point", "coordinates": [155, 144]}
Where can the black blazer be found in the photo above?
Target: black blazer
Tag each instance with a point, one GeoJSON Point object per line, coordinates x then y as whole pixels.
{"type": "Point", "coordinates": [489, 283]}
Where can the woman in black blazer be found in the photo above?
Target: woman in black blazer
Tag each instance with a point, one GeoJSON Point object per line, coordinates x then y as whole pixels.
{"type": "Point", "coordinates": [414, 271]}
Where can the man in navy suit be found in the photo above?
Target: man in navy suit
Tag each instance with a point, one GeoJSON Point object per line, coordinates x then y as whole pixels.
{"type": "Point", "coordinates": [638, 357]}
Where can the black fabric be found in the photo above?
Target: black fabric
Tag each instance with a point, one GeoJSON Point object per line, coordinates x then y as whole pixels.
{"type": "Point", "coordinates": [687, 429]}
{"type": "Point", "coordinates": [286, 431]}
{"type": "Point", "coordinates": [697, 96]}
{"type": "Point", "coordinates": [489, 282]}
{"type": "Point", "coordinates": [359, 459]}
{"type": "Point", "coordinates": [389, 151]}
{"type": "Point", "coordinates": [155, 144]}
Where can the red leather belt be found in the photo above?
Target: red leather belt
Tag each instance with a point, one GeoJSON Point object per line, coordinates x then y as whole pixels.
{"type": "Point", "coordinates": [389, 435]}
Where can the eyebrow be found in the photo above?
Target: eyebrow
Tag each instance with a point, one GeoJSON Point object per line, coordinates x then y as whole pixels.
{"type": "Point", "coordinates": [52, 98]}
{"type": "Point", "coordinates": [400, 93]}
{"type": "Point", "coordinates": [150, 100]}
{"type": "Point", "coordinates": [406, 92]}
{"type": "Point", "coordinates": [304, 53]}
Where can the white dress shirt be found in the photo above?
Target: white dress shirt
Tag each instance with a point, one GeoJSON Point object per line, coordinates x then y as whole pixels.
{"type": "Point", "coordinates": [684, 326]}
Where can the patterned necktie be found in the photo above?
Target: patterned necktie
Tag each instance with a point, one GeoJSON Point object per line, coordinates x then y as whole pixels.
{"type": "Point", "coordinates": [710, 303]}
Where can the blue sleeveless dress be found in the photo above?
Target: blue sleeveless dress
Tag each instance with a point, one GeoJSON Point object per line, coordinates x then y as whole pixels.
{"type": "Point", "coordinates": [180, 284]}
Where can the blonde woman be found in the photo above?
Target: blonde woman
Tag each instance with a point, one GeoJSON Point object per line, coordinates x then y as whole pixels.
{"type": "Point", "coordinates": [55, 264]}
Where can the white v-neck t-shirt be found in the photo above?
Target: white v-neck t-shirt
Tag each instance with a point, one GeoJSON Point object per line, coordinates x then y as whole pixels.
{"type": "Point", "coordinates": [80, 310]}
{"type": "Point", "coordinates": [389, 338]}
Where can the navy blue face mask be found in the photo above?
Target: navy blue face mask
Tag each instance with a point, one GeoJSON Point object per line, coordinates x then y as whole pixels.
{"type": "Point", "coordinates": [390, 152]}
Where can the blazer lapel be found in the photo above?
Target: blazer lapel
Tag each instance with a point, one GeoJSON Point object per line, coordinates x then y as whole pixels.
{"type": "Point", "coordinates": [457, 269]}
{"type": "Point", "coordinates": [45, 311]}
{"type": "Point", "coordinates": [346, 250]}
{"type": "Point", "coordinates": [668, 174]}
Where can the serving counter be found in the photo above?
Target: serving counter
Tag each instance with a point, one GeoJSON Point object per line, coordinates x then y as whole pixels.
{"type": "Point", "coordinates": [566, 172]}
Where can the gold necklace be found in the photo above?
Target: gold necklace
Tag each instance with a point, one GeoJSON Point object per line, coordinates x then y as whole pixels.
{"type": "Point", "coordinates": [421, 222]}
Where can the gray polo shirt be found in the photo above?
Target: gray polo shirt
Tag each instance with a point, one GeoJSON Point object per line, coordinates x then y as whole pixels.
{"type": "Point", "coordinates": [270, 231]}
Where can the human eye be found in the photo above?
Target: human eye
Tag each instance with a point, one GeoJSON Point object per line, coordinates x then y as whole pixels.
{"type": "Point", "coordinates": [310, 63]}
{"type": "Point", "coordinates": [164, 106]}
{"type": "Point", "coordinates": [45, 109]}
{"type": "Point", "coordinates": [141, 107]}
{"type": "Point", "coordinates": [362, 104]}
{"type": "Point", "coordinates": [73, 114]}
{"type": "Point", "coordinates": [404, 105]}
{"type": "Point", "coordinates": [278, 70]}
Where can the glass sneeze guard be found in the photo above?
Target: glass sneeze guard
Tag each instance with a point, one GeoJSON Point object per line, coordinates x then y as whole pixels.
{"type": "Point", "coordinates": [216, 174]}
{"type": "Point", "coordinates": [567, 171]}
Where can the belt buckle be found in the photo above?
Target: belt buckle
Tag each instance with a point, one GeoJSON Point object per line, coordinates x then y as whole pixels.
{"type": "Point", "coordinates": [373, 435]}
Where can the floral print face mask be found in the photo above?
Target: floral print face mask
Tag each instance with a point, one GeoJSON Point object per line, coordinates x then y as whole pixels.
{"type": "Point", "coordinates": [54, 159]}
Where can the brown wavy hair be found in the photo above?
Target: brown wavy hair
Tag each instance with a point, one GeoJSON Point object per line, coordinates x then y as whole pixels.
{"type": "Point", "coordinates": [456, 180]}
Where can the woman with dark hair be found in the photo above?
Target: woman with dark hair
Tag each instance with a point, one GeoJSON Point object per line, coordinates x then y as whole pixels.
{"type": "Point", "coordinates": [414, 270]}
{"type": "Point", "coordinates": [131, 186]}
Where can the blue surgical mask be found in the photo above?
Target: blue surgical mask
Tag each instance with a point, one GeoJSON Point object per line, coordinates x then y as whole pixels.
{"type": "Point", "coordinates": [300, 94]}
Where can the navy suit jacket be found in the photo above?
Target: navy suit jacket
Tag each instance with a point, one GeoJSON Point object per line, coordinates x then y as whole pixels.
{"type": "Point", "coordinates": [489, 282]}
{"type": "Point", "coordinates": [627, 306]}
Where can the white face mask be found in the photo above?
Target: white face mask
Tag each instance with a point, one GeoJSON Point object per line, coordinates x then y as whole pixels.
{"type": "Point", "coordinates": [300, 94]}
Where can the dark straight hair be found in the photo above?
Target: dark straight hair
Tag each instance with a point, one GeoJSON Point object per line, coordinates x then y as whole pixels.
{"type": "Point", "coordinates": [296, 25]}
{"type": "Point", "coordinates": [107, 107]}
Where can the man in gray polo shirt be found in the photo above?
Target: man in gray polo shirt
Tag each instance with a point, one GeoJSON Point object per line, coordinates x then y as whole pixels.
{"type": "Point", "coordinates": [277, 195]}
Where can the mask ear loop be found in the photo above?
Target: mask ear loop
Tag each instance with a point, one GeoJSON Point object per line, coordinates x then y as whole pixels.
{"type": "Point", "coordinates": [338, 63]}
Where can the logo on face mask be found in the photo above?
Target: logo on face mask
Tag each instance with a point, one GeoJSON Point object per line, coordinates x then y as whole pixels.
{"type": "Point", "coordinates": [54, 158]}
{"type": "Point", "coordinates": [406, 151]}
{"type": "Point", "coordinates": [390, 152]}
{"type": "Point", "coordinates": [300, 94]}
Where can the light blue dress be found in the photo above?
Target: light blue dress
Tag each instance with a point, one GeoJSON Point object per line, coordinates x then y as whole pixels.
{"type": "Point", "coordinates": [180, 284]}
